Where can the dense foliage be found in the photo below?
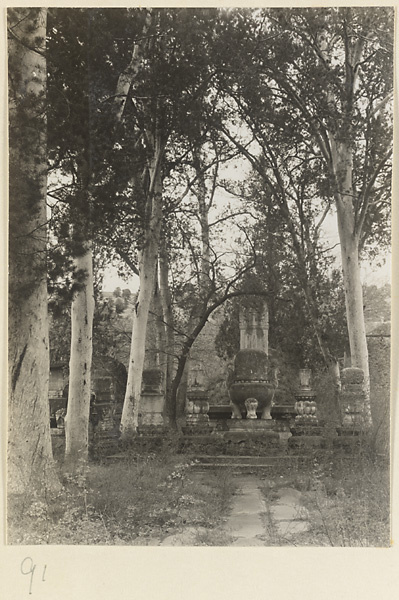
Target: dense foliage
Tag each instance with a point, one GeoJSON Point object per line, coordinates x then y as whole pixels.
{"type": "Point", "coordinates": [203, 150]}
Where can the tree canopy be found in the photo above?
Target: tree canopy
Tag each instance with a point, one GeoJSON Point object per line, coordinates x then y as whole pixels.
{"type": "Point", "coordinates": [204, 150]}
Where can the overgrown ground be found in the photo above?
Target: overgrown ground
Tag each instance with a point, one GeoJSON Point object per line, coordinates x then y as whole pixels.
{"type": "Point", "coordinates": [140, 500]}
{"type": "Point", "coordinates": [346, 497]}
{"type": "Point", "coordinates": [149, 498]}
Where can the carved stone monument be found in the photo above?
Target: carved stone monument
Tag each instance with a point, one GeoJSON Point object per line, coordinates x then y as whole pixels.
{"type": "Point", "coordinates": [152, 398]}
{"type": "Point", "coordinates": [355, 415]}
{"type": "Point", "coordinates": [306, 430]}
{"type": "Point", "coordinates": [254, 329]}
{"type": "Point", "coordinates": [305, 405]}
{"type": "Point", "coordinates": [252, 378]}
{"type": "Point", "coordinates": [197, 405]}
{"type": "Point", "coordinates": [252, 383]}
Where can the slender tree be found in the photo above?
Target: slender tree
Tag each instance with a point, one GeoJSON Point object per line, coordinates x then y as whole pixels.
{"type": "Point", "coordinates": [329, 71]}
{"type": "Point", "coordinates": [30, 462]}
{"type": "Point", "coordinates": [153, 100]}
{"type": "Point", "coordinates": [70, 157]}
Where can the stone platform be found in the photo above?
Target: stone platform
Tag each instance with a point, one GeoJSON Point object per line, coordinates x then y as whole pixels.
{"type": "Point", "coordinates": [251, 429]}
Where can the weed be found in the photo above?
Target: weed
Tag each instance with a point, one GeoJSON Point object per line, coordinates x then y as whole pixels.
{"type": "Point", "coordinates": [135, 501]}
{"type": "Point", "coordinates": [349, 500]}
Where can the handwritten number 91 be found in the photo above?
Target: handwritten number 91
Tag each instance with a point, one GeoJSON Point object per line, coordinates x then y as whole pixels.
{"type": "Point", "coordinates": [28, 567]}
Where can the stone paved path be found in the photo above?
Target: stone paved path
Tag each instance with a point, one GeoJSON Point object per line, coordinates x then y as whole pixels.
{"type": "Point", "coordinates": [251, 520]}
{"type": "Point", "coordinates": [245, 522]}
{"type": "Point", "coordinates": [288, 515]}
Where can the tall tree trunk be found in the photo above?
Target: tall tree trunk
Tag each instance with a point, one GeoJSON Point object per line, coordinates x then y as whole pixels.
{"type": "Point", "coordinates": [342, 165]}
{"type": "Point", "coordinates": [181, 394]}
{"type": "Point", "coordinates": [30, 461]}
{"type": "Point", "coordinates": [154, 339]}
{"type": "Point", "coordinates": [147, 272]}
{"type": "Point", "coordinates": [161, 337]}
{"type": "Point", "coordinates": [127, 77]}
{"type": "Point", "coordinates": [203, 213]}
{"type": "Point", "coordinates": [82, 311]}
{"type": "Point", "coordinates": [168, 319]}
{"type": "Point", "coordinates": [179, 383]}
{"type": "Point", "coordinates": [354, 305]}
{"type": "Point", "coordinates": [349, 228]}
{"type": "Point", "coordinates": [129, 420]}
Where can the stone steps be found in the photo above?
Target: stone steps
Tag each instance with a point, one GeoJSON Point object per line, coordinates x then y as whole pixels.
{"type": "Point", "coordinates": [241, 458]}
{"type": "Point", "coordinates": [235, 463]}
{"type": "Point", "coordinates": [120, 456]}
{"type": "Point", "coordinates": [245, 462]}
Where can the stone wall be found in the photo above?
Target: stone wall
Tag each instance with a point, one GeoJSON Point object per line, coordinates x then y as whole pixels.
{"type": "Point", "coordinates": [379, 346]}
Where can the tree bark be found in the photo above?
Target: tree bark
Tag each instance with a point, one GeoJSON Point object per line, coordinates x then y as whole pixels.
{"type": "Point", "coordinates": [168, 319]}
{"type": "Point", "coordinates": [354, 301]}
{"type": "Point", "coordinates": [147, 272]}
{"type": "Point", "coordinates": [30, 462]}
{"type": "Point", "coordinates": [203, 212]}
{"type": "Point", "coordinates": [349, 228]}
{"type": "Point", "coordinates": [82, 311]}
{"type": "Point", "coordinates": [181, 394]}
{"type": "Point", "coordinates": [154, 337]}
{"type": "Point", "coordinates": [342, 162]}
{"type": "Point", "coordinates": [126, 78]}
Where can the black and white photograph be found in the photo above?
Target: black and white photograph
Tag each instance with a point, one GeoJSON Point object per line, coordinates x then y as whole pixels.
{"type": "Point", "coordinates": [199, 277]}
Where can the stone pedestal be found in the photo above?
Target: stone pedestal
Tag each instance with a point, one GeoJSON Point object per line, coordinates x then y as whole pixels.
{"type": "Point", "coordinates": [355, 413]}
{"type": "Point", "coordinates": [250, 425]}
{"type": "Point", "coordinates": [251, 429]}
{"type": "Point", "coordinates": [306, 431]}
{"type": "Point", "coordinates": [305, 401]}
{"type": "Point", "coordinates": [283, 430]}
{"type": "Point", "coordinates": [58, 443]}
{"type": "Point", "coordinates": [197, 407]}
{"type": "Point", "coordinates": [152, 399]}
{"type": "Point", "coordinates": [152, 404]}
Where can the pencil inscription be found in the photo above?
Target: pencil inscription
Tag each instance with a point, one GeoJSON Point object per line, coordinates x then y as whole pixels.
{"type": "Point", "coordinates": [28, 567]}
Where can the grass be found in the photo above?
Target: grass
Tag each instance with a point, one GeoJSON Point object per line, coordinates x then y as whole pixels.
{"type": "Point", "coordinates": [347, 498]}
{"type": "Point", "coordinates": [137, 501]}
{"type": "Point", "coordinates": [350, 501]}
{"type": "Point", "coordinates": [149, 496]}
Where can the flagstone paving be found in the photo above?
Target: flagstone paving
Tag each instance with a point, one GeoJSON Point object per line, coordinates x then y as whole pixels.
{"type": "Point", "coordinates": [254, 521]}
{"type": "Point", "coordinates": [289, 515]}
{"type": "Point", "coordinates": [245, 522]}
{"type": "Point", "coordinates": [251, 520]}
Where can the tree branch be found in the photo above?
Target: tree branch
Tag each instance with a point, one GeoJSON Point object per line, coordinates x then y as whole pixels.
{"type": "Point", "coordinates": [367, 192]}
